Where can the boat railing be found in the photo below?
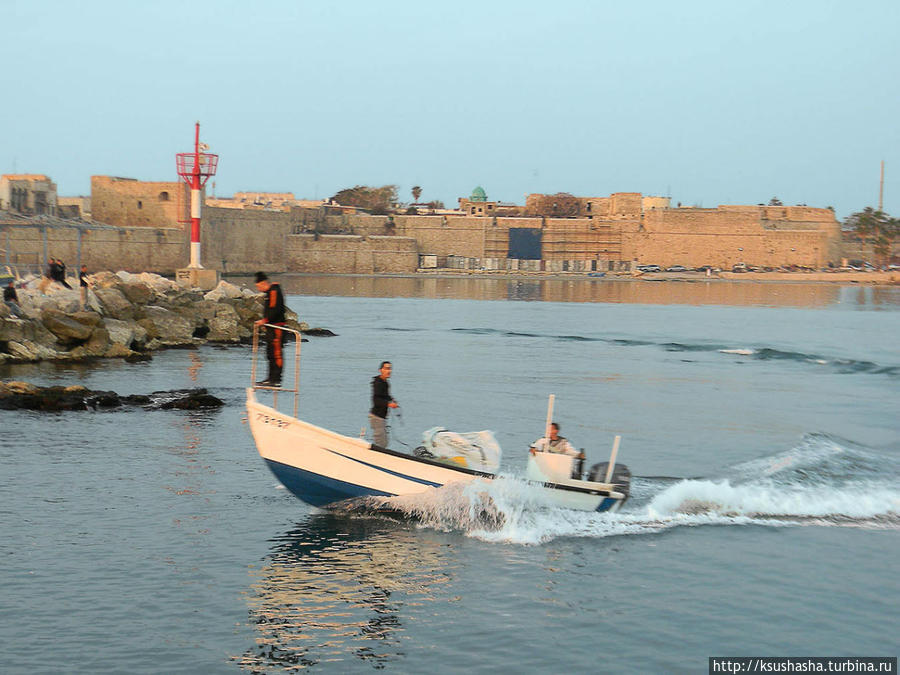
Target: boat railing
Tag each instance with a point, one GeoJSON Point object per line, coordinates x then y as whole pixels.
{"type": "Point", "coordinates": [298, 337]}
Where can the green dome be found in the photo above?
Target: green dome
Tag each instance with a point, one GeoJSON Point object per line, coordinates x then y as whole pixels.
{"type": "Point", "coordinates": [478, 195]}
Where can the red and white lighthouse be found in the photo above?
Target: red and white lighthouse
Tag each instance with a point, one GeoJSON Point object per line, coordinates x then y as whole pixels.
{"type": "Point", "coordinates": [196, 168]}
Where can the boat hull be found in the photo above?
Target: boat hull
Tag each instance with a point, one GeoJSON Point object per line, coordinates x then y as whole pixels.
{"type": "Point", "coordinates": [321, 467]}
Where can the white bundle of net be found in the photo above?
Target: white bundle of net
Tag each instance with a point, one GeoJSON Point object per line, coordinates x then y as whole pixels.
{"type": "Point", "coordinates": [476, 450]}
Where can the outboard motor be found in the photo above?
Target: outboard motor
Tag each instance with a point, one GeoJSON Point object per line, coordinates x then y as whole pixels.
{"type": "Point", "coordinates": [621, 476]}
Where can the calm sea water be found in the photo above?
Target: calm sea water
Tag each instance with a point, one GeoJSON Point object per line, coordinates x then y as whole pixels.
{"type": "Point", "coordinates": [762, 423]}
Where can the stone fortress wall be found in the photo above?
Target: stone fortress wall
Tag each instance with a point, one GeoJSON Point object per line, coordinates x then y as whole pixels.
{"type": "Point", "coordinates": [617, 231]}
{"type": "Point", "coordinates": [136, 249]}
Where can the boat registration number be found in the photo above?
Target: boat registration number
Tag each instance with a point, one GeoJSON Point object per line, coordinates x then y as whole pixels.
{"type": "Point", "coordinates": [274, 421]}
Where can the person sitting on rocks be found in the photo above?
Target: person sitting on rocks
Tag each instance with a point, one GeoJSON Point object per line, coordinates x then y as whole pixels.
{"type": "Point", "coordinates": [61, 273]}
{"type": "Point", "coordinates": [11, 298]}
{"type": "Point", "coordinates": [83, 285]}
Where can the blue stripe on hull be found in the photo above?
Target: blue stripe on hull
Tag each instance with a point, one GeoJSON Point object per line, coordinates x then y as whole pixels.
{"type": "Point", "coordinates": [607, 504]}
{"type": "Point", "coordinates": [316, 489]}
{"type": "Point", "coordinates": [388, 471]}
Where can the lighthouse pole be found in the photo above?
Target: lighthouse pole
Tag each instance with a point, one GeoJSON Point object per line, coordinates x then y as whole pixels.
{"type": "Point", "coordinates": [195, 203]}
{"type": "Point", "coordinates": [195, 168]}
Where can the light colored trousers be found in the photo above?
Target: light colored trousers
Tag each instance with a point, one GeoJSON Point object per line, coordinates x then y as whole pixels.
{"type": "Point", "coordinates": [379, 430]}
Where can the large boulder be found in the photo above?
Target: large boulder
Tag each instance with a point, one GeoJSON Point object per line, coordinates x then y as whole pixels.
{"type": "Point", "coordinates": [137, 292]}
{"type": "Point", "coordinates": [19, 351]}
{"type": "Point", "coordinates": [105, 280]}
{"type": "Point", "coordinates": [249, 309]}
{"type": "Point", "coordinates": [87, 318]}
{"type": "Point", "coordinates": [225, 290]}
{"type": "Point", "coordinates": [118, 351]}
{"type": "Point", "coordinates": [159, 285]}
{"type": "Point", "coordinates": [19, 330]}
{"type": "Point", "coordinates": [120, 332]}
{"type": "Point", "coordinates": [93, 302]}
{"type": "Point", "coordinates": [17, 387]}
{"type": "Point", "coordinates": [166, 325]}
{"type": "Point", "coordinates": [198, 312]}
{"type": "Point", "coordinates": [35, 303]}
{"type": "Point", "coordinates": [115, 304]}
{"type": "Point", "coordinates": [13, 330]}
{"type": "Point", "coordinates": [26, 350]}
{"type": "Point", "coordinates": [98, 343]}
{"type": "Point", "coordinates": [140, 335]}
{"type": "Point", "coordinates": [68, 301]}
{"type": "Point", "coordinates": [183, 298]}
{"type": "Point", "coordinates": [149, 330]}
{"type": "Point", "coordinates": [224, 326]}
{"type": "Point", "coordinates": [65, 328]}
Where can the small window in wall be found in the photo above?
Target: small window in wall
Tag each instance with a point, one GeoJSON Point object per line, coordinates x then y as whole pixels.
{"type": "Point", "coordinates": [164, 196]}
{"type": "Point", "coordinates": [140, 204]}
{"type": "Point", "coordinates": [588, 207]}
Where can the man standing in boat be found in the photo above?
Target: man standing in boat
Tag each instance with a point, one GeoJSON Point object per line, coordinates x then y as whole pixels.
{"type": "Point", "coordinates": [273, 314]}
{"type": "Point", "coordinates": [381, 401]}
{"type": "Point", "coordinates": [561, 445]}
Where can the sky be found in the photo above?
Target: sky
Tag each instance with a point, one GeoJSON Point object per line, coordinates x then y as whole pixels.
{"type": "Point", "coordinates": [707, 102]}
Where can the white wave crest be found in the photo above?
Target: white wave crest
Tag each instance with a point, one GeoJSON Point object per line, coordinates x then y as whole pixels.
{"type": "Point", "coordinates": [860, 501]}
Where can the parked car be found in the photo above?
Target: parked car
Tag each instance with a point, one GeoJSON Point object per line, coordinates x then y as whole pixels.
{"type": "Point", "coordinates": [649, 268]}
{"type": "Point", "coordinates": [676, 268]}
{"type": "Point", "coordinates": [740, 267]}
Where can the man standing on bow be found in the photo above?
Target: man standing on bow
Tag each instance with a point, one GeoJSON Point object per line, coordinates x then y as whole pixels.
{"type": "Point", "coordinates": [273, 316]}
{"type": "Point", "coordinates": [381, 401]}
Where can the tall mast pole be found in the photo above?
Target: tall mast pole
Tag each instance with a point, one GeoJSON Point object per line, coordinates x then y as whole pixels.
{"type": "Point", "coordinates": [881, 189]}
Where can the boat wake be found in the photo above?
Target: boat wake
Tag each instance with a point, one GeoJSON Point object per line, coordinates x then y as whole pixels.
{"type": "Point", "coordinates": [824, 481]}
{"type": "Point", "coordinates": [843, 366]}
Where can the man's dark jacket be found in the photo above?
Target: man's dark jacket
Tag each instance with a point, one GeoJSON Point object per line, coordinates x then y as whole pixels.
{"type": "Point", "coordinates": [381, 396]}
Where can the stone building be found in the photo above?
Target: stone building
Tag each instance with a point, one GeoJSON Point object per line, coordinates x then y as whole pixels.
{"type": "Point", "coordinates": [128, 202]}
{"type": "Point", "coordinates": [28, 194]}
{"type": "Point", "coordinates": [282, 201]}
{"type": "Point", "coordinates": [619, 204]}
{"type": "Point", "coordinates": [74, 207]}
{"type": "Point", "coordinates": [477, 204]}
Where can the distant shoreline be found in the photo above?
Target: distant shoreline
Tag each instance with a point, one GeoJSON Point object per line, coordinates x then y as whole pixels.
{"type": "Point", "coordinates": [868, 278]}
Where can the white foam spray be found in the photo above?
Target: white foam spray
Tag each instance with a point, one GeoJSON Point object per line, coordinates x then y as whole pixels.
{"type": "Point", "coordinates": [824, 481]}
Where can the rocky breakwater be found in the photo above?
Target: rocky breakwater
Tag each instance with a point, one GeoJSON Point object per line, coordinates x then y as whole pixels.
{"type": "Point", "coordinates": [27, 396]}
{"type": "Point", "coordinates": [127, 316]}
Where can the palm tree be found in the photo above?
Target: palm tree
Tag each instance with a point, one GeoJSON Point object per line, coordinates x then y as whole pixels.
{"type": "Point", "coordinates": [416, 193]}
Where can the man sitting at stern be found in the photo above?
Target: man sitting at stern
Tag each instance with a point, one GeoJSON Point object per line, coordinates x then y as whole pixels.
{"type": "Point", "coordinates": [561, 445]}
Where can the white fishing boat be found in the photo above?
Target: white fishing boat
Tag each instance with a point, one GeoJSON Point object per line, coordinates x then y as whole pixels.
{"type": "Point", "coordinates": [323, 468]}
